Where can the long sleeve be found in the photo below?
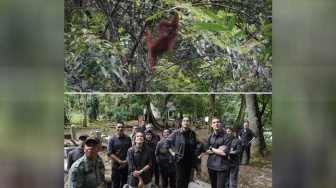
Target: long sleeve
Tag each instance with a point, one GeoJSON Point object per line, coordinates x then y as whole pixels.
{"type": "Point", "coordinates": [70, 161]}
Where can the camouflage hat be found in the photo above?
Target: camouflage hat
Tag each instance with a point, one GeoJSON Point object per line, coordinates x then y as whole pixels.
{"type": "Point", "coordinates": [92, 139]}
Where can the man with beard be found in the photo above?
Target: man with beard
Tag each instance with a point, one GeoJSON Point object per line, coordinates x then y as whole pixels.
{"type": "Point", "coordinates": [218, 144]}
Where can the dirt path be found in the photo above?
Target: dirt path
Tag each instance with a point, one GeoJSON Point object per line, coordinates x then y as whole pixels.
{"type": "Point", "coordinates": [249, 176]}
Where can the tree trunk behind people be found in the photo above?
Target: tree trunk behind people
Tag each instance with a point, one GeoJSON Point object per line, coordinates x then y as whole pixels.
{"type": "Point", "coordinates": [150, 117]}
{"type": "Point", "coordinates": [258, 145]}
{"type": "Point", "coordinates": [85, 111]}
{"type": "Point", "coordinates": [238, 124]}
{"type": "Point", "coordinates": [211, 111]}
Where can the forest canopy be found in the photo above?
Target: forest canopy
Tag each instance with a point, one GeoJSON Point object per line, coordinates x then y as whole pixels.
{"type": "Point", "coordinates": [222, 46]}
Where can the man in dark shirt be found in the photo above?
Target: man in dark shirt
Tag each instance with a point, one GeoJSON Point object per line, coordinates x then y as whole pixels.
{"type": "Point", "coordinates": [218, 144]}
{"type": "Point", "coordinates": [117, 148]}
{"type": "Point", "coordinates": [234, 159]}
{"type": "Point", "coordinates": [246, 136]}
{"type": "Point", "coordinates": [77, 153]}
{"type": "Point", "coordinates": [142, 126]}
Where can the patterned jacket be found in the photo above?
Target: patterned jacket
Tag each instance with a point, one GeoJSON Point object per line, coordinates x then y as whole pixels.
{"type": "Point", "coordinates": [83, 173]}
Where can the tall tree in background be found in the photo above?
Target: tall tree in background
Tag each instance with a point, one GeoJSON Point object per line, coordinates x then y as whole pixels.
{"type": "Point", "coordinates": [254, 117]}
{"type": "Point", "coordinates": [211, 111]}
{"type": "Point", "coordinates": [240, 118]}
{"type": "Point", "coordinates": [85, 110]}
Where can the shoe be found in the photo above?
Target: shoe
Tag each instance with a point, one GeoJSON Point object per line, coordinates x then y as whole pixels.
{"type": "Point", "coordinates": [247, 163]}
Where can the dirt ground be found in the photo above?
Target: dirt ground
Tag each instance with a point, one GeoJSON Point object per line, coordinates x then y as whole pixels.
{"type": "Point", "coordinates": [251, 176]}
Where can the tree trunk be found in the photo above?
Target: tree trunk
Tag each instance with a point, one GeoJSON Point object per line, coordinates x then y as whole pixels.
{"type": "Point", "coordinates": [238, 124]}
{"type": "Point", "coordinates": [258, 145]}
{"type": "Point", "coordinates": [85, 111]}
{"type": "Point", "coordinates": [211, 111]}
{"type": "Point", "coordinates": [66, 119]}
{"type": "Point", "coordinates": [151, 119]}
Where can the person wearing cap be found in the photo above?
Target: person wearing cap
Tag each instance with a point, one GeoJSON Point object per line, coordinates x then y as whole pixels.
{"type": "Point", "coordinates": [151, 144]}
{"type": "Point", "coordinates": [181, 144]}
{"type": "Point", "coordinates": [89, 170]}
{"type": "Point", "coordinates": [165, 162]}
{"type": "Point", "coordinates": [218, 145]}
{"type": "Point", "coordinates": [234, 159]}
{"type": "Point", "coordinates": [78, 152]}
{"type": "Point", "coordinates": [117, 148]}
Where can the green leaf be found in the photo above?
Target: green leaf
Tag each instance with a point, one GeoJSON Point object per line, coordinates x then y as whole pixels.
{"type": "Point", "coordinates": [238, 33]}
{"type": "Point", "coordinates": [232, 23]}
{"type": "Point", "coordinates": [208, 26]}
{"type": "Point", "coordinates": [212, 15]}
{"type": "Point", "coordinates": [106, 74]}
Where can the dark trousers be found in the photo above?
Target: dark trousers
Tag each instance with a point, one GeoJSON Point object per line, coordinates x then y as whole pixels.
{"type": "Point", "coordinates": [157, 174]}
{"type": "Point", "coordinates": [165, 175]}
{"type": "Point", "coordinates": [119, 177]}
{"type": "Point", "coordinates": [232, 181]}
{"type": "Point", "coordinates": [154, 170]}
{"type": "Point", "coordinates": [183, 171]}
{"type": "Point", "coordinates": [247, 149]}
{"type": "Point", "coordinates": [218, 178]}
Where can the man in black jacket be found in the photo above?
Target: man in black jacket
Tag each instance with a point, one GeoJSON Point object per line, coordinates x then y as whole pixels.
{"type": "Point", "coordinates": [234, 159]}
{"type": "Point", "coordinates": [246, 136]}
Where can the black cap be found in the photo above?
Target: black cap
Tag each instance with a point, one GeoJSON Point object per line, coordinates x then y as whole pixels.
{"type": "Point", "coordinates": [83, 136]}
{"type": "Point", "coordinates": [92, 139]}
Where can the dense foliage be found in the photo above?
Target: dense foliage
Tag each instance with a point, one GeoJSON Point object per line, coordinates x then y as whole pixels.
{"type": "Point", "coordinates": [221, 46]}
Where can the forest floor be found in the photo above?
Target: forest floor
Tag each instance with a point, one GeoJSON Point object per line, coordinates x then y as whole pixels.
{"type": "Point", "coordinates": [255, 175]}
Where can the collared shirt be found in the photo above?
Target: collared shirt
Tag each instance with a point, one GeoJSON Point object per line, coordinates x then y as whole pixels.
{"type": "Point", "coordinates": [176, 142]}
{"type": "Point", "coordinates": [74, 155]}
{"type": "Point", "coordinates": [165, 158]}
{"type": "Point", "coordinates": [246, 136]}
{"type": "Point", "coordinates": [218, 162]}
{"type": "Point", "coordinates": [118, 145]}
{"type": "Point", "coordinates": [137, 159]}
{"type": "Point", "coordinates": [83, 173]}
{"type": "Point", "coordinates": [235, 146]}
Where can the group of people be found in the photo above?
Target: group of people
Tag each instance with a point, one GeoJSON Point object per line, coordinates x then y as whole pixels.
{"type": "Point", "coordinates": [136, 158]}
